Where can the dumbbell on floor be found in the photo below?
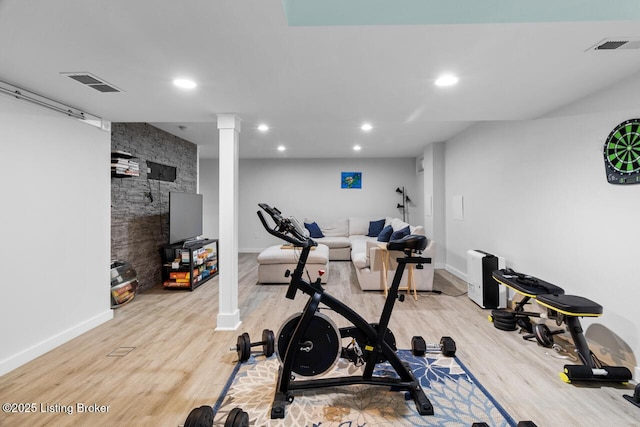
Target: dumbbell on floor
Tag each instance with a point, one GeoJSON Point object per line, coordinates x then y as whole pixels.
{"type": "Point", "coordinates": [543, 334]}
{"type": "Point", "coordinates": [244, 344]}
{"type": "Point", "coordinates": [419, 347]}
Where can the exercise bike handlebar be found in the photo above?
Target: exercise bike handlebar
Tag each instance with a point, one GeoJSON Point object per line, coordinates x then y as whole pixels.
{"type": "Point", "coordinates": [287, 229]}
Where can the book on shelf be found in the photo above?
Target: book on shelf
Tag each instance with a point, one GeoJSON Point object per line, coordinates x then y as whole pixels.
{"type": "Point", "coordinates": [172, 284]}
{"type": "Point", "coordinates": [118, 153]}
{"type": "Point", "coordinates": [119, 299]}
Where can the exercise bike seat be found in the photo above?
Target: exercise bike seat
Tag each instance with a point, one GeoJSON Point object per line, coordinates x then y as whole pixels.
{"type": "Point", "coordinates": [412, 242]}
{"type": "Point", "coordinates": [571, 305]}
{"type": "Point", "coordinates": [526, 285]}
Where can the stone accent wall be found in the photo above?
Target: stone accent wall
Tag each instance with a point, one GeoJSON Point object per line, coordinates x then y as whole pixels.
{"type": "Point", "coordinates": [140, 206]}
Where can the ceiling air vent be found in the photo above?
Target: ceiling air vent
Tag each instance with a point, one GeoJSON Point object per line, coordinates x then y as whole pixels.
{"type": "Point", "coordinates": [612, 45]}
{"type": "Point", "coordinates": [620, 43]}
{"type": "Point", "coordinates": [93, 82]}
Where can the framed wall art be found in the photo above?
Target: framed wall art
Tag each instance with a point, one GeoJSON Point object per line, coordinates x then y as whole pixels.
{"type": "Point", "coordinates": [351, 180]}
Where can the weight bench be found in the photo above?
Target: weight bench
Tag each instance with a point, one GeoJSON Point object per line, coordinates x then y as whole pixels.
{"type": "Point", "coordinates": [529, 287]}
{"type": "Point", "coordinates": [564, 309]}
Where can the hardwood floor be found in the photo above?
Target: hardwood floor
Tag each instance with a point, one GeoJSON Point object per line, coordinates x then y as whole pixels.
{"type": "Point", "coordinates": [160, 357]}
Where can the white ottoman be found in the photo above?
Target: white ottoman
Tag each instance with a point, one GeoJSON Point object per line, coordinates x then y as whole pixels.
{"type": "Point", "coordinates": [274, 261]}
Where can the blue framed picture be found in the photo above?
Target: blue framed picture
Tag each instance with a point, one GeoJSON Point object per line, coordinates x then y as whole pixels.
{"type": "Point", "coordinates": [351, 180]}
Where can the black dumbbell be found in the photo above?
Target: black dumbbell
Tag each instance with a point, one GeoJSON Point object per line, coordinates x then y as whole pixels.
{"type": "Point", "coordinates": [419, 347]}
{"type": "Point", "coordinates": [542, 334]}
{"type": "Point", "coordinates": [244, 344]}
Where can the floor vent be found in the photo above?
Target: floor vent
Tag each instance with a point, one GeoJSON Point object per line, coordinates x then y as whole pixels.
{"type": "Point", "coordinates": [92, 81]}
{"type": "Point", "coordinates": [121, 351]}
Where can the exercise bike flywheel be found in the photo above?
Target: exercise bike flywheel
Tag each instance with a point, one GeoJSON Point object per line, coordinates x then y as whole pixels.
{"type": "Point", "coordinates": [318, 350]}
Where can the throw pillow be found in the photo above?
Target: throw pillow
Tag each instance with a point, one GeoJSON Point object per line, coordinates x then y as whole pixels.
{"type": "Point", "coordinates": [314, 230]}
{"type": "Point", "coordinates": [375, 227]}
{"type": "Point", "coordinates": [400, 233]}
{"type": "Point", "coordinates": [385, 234]}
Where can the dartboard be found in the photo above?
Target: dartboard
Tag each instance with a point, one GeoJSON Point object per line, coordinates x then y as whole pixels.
{"type": "Point", "coordinates": [622, 153]}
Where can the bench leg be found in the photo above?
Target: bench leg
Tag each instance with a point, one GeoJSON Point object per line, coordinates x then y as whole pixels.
{"type": "Point", "coordinates": [590, 369]}
{"type": "Point", "coordinates": [575, 329]}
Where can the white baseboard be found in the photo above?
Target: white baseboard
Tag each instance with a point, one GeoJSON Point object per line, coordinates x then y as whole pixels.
{"type": "Point", "coordinates": [27, 355]}
{"type": "Point", "coordinates": [459, 274]}
{"type": "Point", "coordinates": [228, 321]}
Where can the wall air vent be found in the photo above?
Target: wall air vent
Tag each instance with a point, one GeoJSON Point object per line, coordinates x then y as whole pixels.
{"type": "Point", "coordinates": [93, 82]}
{"type": "Point", "coordinates": [619, 43]}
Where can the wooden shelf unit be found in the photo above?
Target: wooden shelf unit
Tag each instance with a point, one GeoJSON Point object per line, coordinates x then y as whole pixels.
{"type": "Point", "coordinates": [190, 264]}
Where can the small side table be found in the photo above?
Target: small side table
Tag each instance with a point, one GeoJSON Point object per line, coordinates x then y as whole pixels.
{"type": "Point", "coordinates": [386, 262]}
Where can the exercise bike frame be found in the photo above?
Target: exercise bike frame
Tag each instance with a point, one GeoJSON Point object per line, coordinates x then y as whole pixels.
{"type": "Point", "coordinates": [375, 345]}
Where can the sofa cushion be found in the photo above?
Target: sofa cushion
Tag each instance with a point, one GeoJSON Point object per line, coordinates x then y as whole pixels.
{"type": "Point", "coordinates": [418, 229]}
{"type": "Point", "coordinates": [314, 230]}
{"type": "Point", "coordinates": [278, 255]}
{"type": "Point", "coordinates": [335, 242]}
{"type": "Point", "coordinates": [336, 228]}
{"type": "Point", "coordinates": [360, 260]}
{"type": "Point", "coordinates": [399, 234]}
{"type": "Point", "coordinates": [385, 234]}
{"type": "Point", "coordinates": [375, 227]}
{"type": "Point", "coordinates": [398, 224]}
{"type": "Point", "coordinates": [360, 251]}
{"type": "Point", "coordinates": [358, 226]}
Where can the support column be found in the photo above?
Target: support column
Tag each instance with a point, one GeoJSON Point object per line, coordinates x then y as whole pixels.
{"type": "Point", "coordinates": [228, 312]}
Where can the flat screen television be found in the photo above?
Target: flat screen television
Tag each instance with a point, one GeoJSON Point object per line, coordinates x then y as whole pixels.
{"type": "Point", "coordinates": [185, 216]}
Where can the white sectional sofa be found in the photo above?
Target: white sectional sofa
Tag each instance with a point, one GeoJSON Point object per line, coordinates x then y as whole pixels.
{"type": "Point", "coordinates": [347, 240]}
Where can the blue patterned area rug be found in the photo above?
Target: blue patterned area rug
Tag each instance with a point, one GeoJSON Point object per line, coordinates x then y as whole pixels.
{"type": "Point", "coordinates": [457, 397]}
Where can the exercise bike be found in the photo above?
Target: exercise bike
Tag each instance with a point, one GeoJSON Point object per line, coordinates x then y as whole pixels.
{"type": "Point", "coordinates": [309, 343]}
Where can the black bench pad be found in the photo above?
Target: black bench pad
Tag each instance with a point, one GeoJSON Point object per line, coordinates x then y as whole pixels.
{"type": "Point", "coordinates": [571, 305]}
{"type": "Point", "coordinates": [526, 285]}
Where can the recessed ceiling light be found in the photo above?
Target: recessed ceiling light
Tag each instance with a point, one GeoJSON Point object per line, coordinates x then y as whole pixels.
{"type": "Point", "coordinates": [366, 127]}
{"type": "Point", "coordinates": [184, 83]}
{"type": "Point", "coordinates": [446, 80]}
{"type": "Point", "coordinates": [357, 148]}
{"type": "Point", "coordinates": [281, 148]}
{"type": "Point", "coordinates": [263, 128]}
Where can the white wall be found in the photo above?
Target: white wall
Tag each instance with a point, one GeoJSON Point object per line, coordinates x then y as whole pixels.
{"type": "Point", "coordinates": [535, 192]}
{"type": "Point", "coordinates": [208, 179]}
{"type": "Point", "coordinates": [434, 200]}
{"type": "Point", "coordinates": [55, 228]}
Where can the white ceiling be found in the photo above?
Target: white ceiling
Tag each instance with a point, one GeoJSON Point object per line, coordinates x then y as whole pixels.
{"type": "Point", "coordinates": [314, 85]}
